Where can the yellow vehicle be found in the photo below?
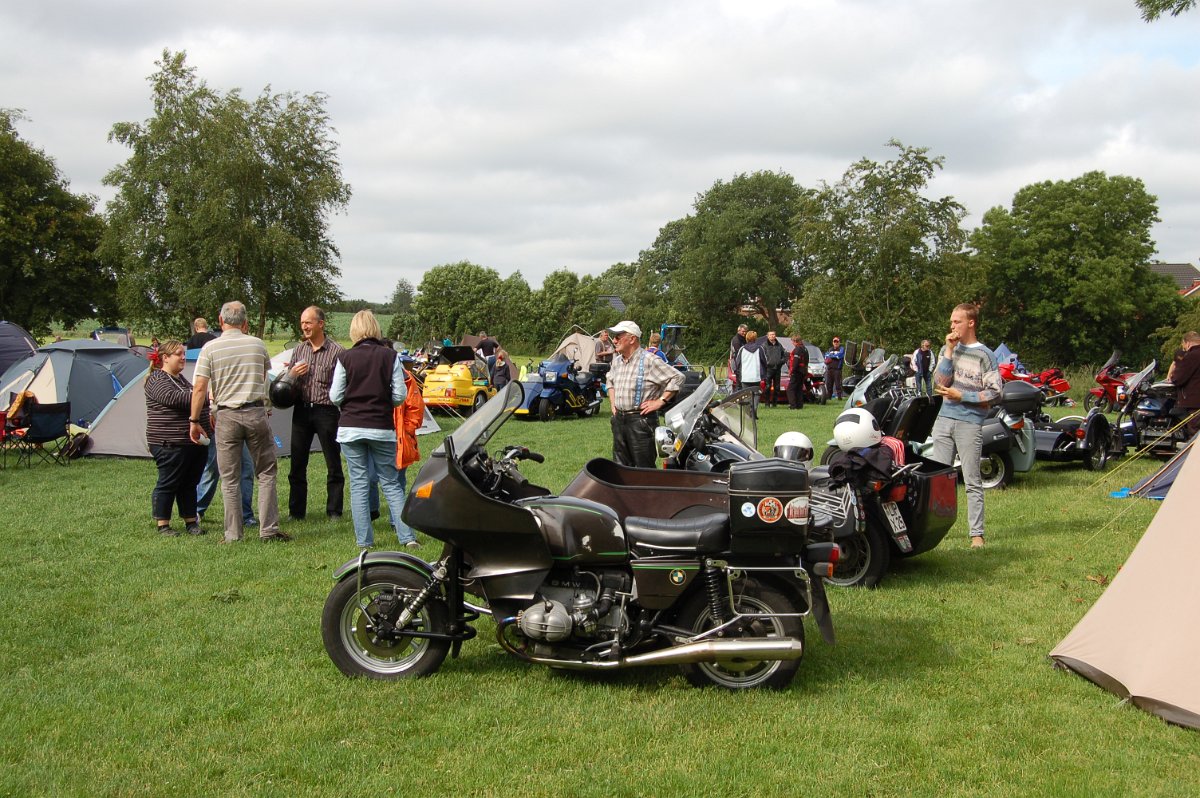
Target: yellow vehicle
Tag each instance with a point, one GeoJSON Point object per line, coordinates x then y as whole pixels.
{"type": "Point", "coordinates": [460, 381]}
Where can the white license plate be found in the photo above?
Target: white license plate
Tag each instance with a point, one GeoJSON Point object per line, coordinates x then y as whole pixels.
{"type": "Point", "coordinates": [894, 518]}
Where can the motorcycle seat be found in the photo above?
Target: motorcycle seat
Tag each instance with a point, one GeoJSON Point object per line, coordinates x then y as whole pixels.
{"type": "Point", "coordinates": [704, 534]}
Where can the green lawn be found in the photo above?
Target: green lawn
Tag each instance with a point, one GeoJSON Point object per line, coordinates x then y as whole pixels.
{"type": "Point", "coordinates": [136, 665]}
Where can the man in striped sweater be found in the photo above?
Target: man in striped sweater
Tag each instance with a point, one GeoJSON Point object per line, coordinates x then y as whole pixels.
{"type": "Point", "coordinates": [968, 380]}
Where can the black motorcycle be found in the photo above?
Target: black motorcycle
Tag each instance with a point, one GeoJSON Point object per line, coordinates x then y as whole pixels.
{"type": "Point", "coordinates": [872, 515]}
{"type": "Point", "coordinates": [627, 567]}
{"type": "Point", "coordinates": [1147, 418]}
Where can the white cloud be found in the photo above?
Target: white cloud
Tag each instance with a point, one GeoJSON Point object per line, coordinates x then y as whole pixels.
{"type": "Point", "coordinates": [540, 135]}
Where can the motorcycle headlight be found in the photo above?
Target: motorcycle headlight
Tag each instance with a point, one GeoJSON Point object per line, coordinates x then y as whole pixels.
{"type": "Point", "coordinates": [664, 440]}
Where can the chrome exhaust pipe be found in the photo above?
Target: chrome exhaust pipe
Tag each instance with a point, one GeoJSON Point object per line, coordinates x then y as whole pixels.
{"type": "Point", "coordinates": [745, 649]}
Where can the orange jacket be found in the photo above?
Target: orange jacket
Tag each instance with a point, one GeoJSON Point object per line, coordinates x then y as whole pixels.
{"type": "Point", "coordinates": [407, 417]}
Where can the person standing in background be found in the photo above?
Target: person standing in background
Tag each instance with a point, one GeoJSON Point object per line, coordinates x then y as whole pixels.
{"type": "Point", "coordinates": [835, 358]}
{"type": "Point", "coordinates": [315, 414]}
{"type": "Point", "coordinates": [774, 356]}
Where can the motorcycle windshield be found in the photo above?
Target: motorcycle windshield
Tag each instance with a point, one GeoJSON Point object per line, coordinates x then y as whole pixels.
{"type": "Point", "coordinates": [481, 426]}
{"type": "Point", "coordinates": [863, 391]}
{"type": "Point", "coordinates": [1112, 360]}
{"type": "Point", "coordinates": [682, 418]}
{"type": "Point", "coordinates": [1137, 379]}
{"type": "Point", "coordinates": [734, 414]}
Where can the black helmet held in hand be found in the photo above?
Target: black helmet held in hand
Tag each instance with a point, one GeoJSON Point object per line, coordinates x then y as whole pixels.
{"type": "Point", "coordinates": [283, 390]}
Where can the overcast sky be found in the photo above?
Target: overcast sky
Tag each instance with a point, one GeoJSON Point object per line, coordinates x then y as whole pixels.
{"type": "Point", "coordinates": [533, 136]}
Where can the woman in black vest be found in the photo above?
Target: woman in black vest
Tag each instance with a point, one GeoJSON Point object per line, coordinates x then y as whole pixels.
{"type": "Point", "coordinates": [368, 382]}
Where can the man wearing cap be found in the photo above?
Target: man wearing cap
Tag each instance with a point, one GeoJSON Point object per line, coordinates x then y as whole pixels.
{"type": "Point", "coordinates": [639, 384]}
{"type": "Point", "coordinates": [834, 359]}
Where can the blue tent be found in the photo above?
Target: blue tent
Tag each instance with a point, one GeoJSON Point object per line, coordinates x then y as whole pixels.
{"type": "Point", "coordinates": [86, 373]}
{"type": "Point", "coordinates": [15, 344]}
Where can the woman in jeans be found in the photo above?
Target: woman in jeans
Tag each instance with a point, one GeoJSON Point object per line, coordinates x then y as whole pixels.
{"type": "Point", "coordinates": [368, 382]}
{"type": "Point", "coordinates": [180, 462]}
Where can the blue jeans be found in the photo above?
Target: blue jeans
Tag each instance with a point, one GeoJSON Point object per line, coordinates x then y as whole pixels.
{"type": "Point", "coordinates": [364, 457]}
{"type": "Point", "coordinates": [209, 479]}
{"type": "Point", "coordinates": [926, 380]}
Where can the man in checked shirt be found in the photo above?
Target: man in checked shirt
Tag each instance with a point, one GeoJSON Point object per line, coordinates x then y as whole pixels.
{"type": "Point", "coordinates": [315, 414]}
{"type": "Point", "coordinates": [639, 384]}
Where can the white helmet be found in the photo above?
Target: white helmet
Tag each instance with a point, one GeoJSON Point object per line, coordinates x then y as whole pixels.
{"type": "Point", "coordinates": [856, 429]}
{"type": "Point", "coordinates": [795, 446]}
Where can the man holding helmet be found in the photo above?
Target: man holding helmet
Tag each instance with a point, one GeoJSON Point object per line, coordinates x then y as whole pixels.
{"type": "Point", "coordinates": [315, 414]}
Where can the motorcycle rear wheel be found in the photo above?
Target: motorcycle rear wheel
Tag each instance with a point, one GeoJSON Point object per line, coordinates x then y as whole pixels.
{"type": "Point", "coordinates": [865, 558]}
{"type": "Point", "coordinates": [546, 409]}
{"type": "Point", "coordinates": [755, 597]}
{"type": "Point", "coordinates": [996, 470]}
{"type": "Point", "coordinates": [1098, 451]}
{"type": "Point", "coordinates": [348, 632]}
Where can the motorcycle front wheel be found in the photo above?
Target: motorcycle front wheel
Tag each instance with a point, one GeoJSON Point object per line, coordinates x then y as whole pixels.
{"type": "Point", "coordinates": [545, 409]}
{"type": "Point", "coordinates": [754, 598]}
{"type": "Point", "coordinates": [1093, 401]}
{"type": "Point", "coordinates": [865, 557]}
{"type": "Point", "coordinates": [352, 640]}
{"type": "Point", "coordinates": [996, 470]}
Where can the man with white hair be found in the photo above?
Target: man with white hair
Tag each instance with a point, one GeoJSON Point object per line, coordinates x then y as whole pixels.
{"type": "Point", "coordinates": [235, 367]}
{"type": "Point", "coordinates": [639, 384]}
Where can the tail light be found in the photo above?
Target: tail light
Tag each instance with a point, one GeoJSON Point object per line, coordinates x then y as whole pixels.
{"type": "Point", "coordinates": [897, 493]}
{"type": "Point", "coordinates": [1080, 433]}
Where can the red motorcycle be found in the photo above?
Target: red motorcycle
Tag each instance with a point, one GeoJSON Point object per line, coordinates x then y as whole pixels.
{"type": "Point", "coordinates": [1111, 378]}
{"type": "Point", "coordinates": [1051, 382]}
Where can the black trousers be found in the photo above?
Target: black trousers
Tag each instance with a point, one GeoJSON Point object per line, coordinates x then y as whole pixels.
{"type": "Point", "coordinates": [633, 439]}
{"type": "Point", "coordinates": [322, 421]}
{"type": "Point", "coordinates": [797, 384]}
{"type": "Point", "coordinates": [774, 380]}
{"type": "Point", "coordinates": [179, 470]}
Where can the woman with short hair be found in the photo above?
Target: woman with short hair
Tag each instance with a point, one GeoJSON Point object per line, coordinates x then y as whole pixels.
{"type": "Point", "coordinates": [368, 382]}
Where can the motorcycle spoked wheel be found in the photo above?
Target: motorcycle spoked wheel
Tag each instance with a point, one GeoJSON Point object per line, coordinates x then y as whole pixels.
{"type": "Point", "coordinates": [754, 597]}
{"type": "Point", "coordinates": [1092, 401]}
{"type": "Point", "coordinates": [546, 409]}
{"type": "Point", "coordinates": [865, 558]}
{"type": "Point", "coordinates": [348, 631]}
{"type": "Point", "coordinates": [996, 470]}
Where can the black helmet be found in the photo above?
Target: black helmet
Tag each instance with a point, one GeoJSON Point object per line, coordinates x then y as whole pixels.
{"type": "Point", "coordinates": [283, 390]}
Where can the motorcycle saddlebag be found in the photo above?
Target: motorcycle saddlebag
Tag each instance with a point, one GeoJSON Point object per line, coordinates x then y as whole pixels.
{"type": "Point", "coordinates": [768, 507]}
{"type": "Point", "coordinates": [1021, 397]}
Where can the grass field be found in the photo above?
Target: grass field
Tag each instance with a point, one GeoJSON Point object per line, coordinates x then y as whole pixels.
{"type": "Point", "coordinates": [139, 666]}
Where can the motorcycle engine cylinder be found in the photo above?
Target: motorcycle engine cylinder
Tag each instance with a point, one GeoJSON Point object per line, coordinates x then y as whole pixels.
{"type": "Point", "coordinates": [546, 620]}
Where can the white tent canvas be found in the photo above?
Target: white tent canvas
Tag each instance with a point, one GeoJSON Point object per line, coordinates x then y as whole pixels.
{"type": "Point", "coordinates": [1139, 639]}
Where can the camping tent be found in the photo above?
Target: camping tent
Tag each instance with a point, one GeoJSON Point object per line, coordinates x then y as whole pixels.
{"type": "Point", "coordinates": [1138, 641]}
{"type": "Point", "coordinates": [86, 373]}
{"type": "Point", "coordinates": [580, 347]}
{"type": "Point", "coordinates": [15, 344]}
{"type": "Point", "coordinates": [1159, 483]}
{"type": "Point", "coordinates": [120, 431]}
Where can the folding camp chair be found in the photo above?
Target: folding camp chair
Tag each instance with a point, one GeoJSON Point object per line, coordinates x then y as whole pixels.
{"type": "Point", "coordinates": [48, 432]}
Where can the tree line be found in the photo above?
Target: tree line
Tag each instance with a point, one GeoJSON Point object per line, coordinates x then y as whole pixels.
{"type": "Point", "coordinates": [225, 196]}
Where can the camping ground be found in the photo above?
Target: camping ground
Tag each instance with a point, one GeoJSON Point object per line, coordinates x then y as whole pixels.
{"type": "Point", "coordinates": [136, 665]}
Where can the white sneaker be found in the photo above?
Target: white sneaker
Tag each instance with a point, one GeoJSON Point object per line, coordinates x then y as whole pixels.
{"type": "Point", "coordinates": [412, 544]}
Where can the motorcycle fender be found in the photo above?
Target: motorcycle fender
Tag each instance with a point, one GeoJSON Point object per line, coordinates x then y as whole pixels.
{"type": "Point", "coordinates": [552, 394]}
{"type": "Point", "coordinates": [820, 611]}
{"type": "Point", "coordinates": [401, 558]}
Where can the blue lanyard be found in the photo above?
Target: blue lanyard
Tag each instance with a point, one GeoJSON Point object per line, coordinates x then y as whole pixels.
{"type": "Point", "coordinates": [641, 378]}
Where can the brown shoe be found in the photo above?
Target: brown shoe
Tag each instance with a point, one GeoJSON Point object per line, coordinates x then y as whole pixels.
{"type": "Point", "coordinates": [277, 537]}
{"type": "Point", "coordinates": [977, 542]}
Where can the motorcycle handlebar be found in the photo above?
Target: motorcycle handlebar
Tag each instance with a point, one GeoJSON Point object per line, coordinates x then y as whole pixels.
{"type": "Point", "coordinates": [534, 456]}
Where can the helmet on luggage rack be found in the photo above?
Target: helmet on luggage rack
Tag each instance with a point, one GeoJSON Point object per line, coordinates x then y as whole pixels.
{"type": "Point", "coordinates": [856, 429]}
{"type": "Point", "coordinates": [795, 446]}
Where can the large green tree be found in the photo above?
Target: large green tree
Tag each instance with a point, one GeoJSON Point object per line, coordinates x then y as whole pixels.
{"type": "Point", "coordinates": [736, 249]}
{"type": "Point", "coordinates": [49, 269]}
{"type": "Point", "coordinates": [458, 298]}
{"type": "Point", "coordinates": [224, 198]}
{"type": "Point", "coordinates": [885, 259]}
{"type": "Point", "coordinates": [1066, 274]}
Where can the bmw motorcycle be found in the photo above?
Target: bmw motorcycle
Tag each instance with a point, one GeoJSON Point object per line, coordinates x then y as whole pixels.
{"type": "Point", "coordinates": [873, 516]}
{"type": "Point", "coordinates": [559, 386]}
{"type": "Point", "coordinates": [627, 567]}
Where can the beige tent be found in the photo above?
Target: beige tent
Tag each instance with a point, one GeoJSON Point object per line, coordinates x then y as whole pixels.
{"type": "Point", "coordinates": [1139, 640]}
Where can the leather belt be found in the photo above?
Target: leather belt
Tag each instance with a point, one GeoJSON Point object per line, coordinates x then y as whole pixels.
{"type": "Point", "coordinates": [259, 403]}
{"type": "Point", "coordinates": [317, 406]}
